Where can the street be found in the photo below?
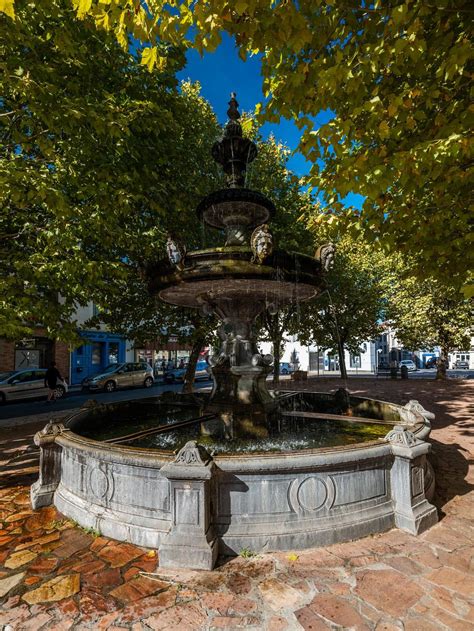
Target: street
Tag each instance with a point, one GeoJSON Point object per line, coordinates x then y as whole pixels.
{"type": "Point", "coordinates": [75, 397]}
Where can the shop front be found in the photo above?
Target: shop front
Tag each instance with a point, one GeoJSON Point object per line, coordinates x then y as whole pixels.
{"type": "Point", "coordinates": [99, 350]}
{"type": "Point", "coordinates": [170, 354]}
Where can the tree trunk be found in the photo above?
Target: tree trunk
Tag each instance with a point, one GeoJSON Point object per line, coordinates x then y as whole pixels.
{"type": "Point", "coordinates": [276, 360]}
{"type": "Point", "coordinates": [442, 363]}
{"type": "Point", "coordinates": [342, 359]}
{"type": "Point", "coordinates": [191, 367]}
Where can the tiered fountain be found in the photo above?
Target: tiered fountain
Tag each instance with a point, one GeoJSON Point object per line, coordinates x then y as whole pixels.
{"type": "Point", "coordinates": [286, 472]}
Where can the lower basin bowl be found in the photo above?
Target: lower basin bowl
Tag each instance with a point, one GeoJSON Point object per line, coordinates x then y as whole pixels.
{"type": "Point", "coordinates": [191, 504]}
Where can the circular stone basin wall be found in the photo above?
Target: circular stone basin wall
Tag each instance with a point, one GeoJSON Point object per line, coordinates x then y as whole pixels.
{"type": "Point", "coordinates": [192, 506]}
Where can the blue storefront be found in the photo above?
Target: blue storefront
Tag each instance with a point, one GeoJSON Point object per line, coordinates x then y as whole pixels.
{"type": "Point", "coordinates": [100, 349]}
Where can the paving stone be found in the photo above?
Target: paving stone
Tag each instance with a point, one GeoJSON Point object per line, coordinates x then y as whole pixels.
{"type": "Point", "coordinates": [277, 623]}
{"type": "Point", "coordinates": [36, 622]}
{"type": "Point", "coordinates": [18, 516]}
{"type": "Point", "coordinates": [149, 605]}
{"type": "Point", "coordinates": [186, 617]}
{"type": "Point", "coordinates": [72, 540]}
{"type": "Point", "coordinates": [44, 565]}
{"type": "Point", "coordinates": [387, 590]}
{"type": "Point", "coordinates": [337, 610]}
{"type": "Point", "coordinates": [99, 543]}
{"type": "Point", "coordinates": [57, 588]}
{"type": "Point", "coordinates": [137, 588]}
{"type": "Point", "coordinates": [452, 579]}
{"type": "Point", "coordinates": [279, 595]}
{"type": "Point", "coordinates": [32, 580]}
{"type": "Point", "coordinates": [38, 541]}
{"type": "Point", "coordinates": [110, 577]}
{"type": "Point", "coordinates": [7, 584]}
{"type": "Point", "coordinates": [119, 554]}
{"type": "Point", "coordinates": [227, 622]}
{"type": "Point", "coordinates": [404, 565]}
{"type": "Point", "coordinates": [383, 625]}
{"type": "Point", "coordinates": [42, 518]}
{"type": "Point", "coordinates": [310, 621]}
{"type": "Point", "coordinates": [17, 559]}
{"type": "Point", "coordinates": [15, 617]}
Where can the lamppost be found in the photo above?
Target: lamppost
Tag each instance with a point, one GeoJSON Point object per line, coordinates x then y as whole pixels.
{"type": "Point", "coordinates": [379, 350]}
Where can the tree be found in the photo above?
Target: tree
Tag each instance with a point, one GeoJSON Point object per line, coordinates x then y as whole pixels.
{"type": "Point", "coordinates": [395, 76]}
{"type": "Point", "coordinates": [429, 314]}
{"type": "Point", "coordinates": [98, 160]}
{"type": "Point", "coordinates": [348, 313]}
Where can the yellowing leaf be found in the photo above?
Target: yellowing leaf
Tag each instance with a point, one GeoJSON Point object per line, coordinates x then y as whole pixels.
{"type": "Point", "coordinates": [392, 109]}
{"type": "Point", "coordinates": [293, 557]}
{"type": "Point", "coordinates": [149, 57]}
{"type": "Point", "coordinates": [82, 7]}
{"type": "Point", "coordinates": [7, 6]}
{"type": "Point", "coordinates": [384, 129]}
{"type": "Point", "coordinates": [151, 554]}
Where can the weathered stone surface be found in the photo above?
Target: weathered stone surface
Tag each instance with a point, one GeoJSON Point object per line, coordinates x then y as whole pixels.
{"type": "Point", "coordinates": [189, 617]}
{"type": "Point", "coordinates": [37, 542]}
{"type": "Point", "coordinates": [72, 540]}
{"type": "Point", "coordinates": [451, 579]}
{"type": "Point", "coordinates": [338, 610]}
{"type": "Point", "coordinates": [56, 589]}
{"type": "Point", "coordinates": [119, 554]}
{"type": "Point", "coordinates": [310, 621]}
{"type": "Point", "coordinates": [137, 588]}
{"type": "Point", "coordinates": [44, 565]}
{"type": "Point", "coordinates": [10, 582]}
{"type": "Point", "coordinates": [386, 589]}
{"type": "Point", "coordinates": [279, 595]}
{"type": "Point", "coordinates": [17, 559]}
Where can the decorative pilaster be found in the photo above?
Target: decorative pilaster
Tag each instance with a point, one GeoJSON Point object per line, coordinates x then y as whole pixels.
{"type": "Point", "coordinates": [42, 491]}
{"type": "Point", "coordinates": [412, 510]}
{"type": "Point", "coordinates": [191, 542]}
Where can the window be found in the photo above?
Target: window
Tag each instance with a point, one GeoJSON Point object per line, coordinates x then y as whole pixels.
{"type": "Point", "coordinates": [96, 354]}
{"type": "Point", "coordinates": [355, 361]}
{"type": "Point", "coordinates": [113, 353]}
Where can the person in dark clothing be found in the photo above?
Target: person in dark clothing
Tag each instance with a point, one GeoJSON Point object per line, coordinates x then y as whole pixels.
{"type": "Point", "coordinates": [51, 381]}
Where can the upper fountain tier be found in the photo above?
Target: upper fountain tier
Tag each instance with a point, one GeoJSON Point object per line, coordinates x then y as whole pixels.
{"type": "Point", "coordinates": [236, 209]}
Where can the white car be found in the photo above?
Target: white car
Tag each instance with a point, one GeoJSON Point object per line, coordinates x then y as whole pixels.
{"type": "Point", "coordinates": [409, 364]}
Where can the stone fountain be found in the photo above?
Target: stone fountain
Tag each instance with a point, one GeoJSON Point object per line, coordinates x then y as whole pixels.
{"type": "Point", "coordinates": [238, 282]}
{"type": "Point", "coordinates": [241, 468]}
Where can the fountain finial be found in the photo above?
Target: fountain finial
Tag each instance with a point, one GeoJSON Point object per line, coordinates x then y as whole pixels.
{"type": "Point", "coordinates": [233, 151]}
{"type": "Point", "coordinates": [233, 113]}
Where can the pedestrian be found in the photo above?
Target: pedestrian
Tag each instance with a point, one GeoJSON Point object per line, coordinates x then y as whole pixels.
{"type": "Point", "coordinates": [163, 365]}
{"type": "Point", "coordinates": [51, 379]}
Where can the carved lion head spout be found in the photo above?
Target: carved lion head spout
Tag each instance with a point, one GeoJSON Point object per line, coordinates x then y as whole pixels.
{"type": "Point", "coordinates": [325, 253]}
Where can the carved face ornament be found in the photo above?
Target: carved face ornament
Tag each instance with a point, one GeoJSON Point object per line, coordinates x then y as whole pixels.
{"type": "Point", "coordinates": [175, 251]}
{"type": "Point", "coordinates": [261, 243]}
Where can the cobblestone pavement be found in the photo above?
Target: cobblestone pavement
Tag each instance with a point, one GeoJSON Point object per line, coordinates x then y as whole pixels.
{"type": "Point", "coordinates": [55, 575]}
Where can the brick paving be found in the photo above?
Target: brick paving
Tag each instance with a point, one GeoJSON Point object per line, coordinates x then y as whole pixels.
{"type": "Point", "coordinates": [55, 575]}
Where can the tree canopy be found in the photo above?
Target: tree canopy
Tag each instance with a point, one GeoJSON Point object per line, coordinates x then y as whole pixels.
{"type": "Point", "coordinates": [98, 160]}
{"type": "Point", "coordinates": [395, 76]}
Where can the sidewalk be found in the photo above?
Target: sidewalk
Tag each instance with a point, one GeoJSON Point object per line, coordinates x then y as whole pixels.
{"type": "Point", "coordinates": [56, 576]}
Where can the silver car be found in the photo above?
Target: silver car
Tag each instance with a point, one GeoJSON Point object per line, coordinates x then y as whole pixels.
{"type": "Point", "coordinates": [126, 375]}
{"type": "Point", "coordinates": [25, 384]}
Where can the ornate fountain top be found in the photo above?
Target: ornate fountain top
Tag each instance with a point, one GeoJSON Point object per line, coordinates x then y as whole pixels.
{"type": "Point", "coordinates": [233, 151]}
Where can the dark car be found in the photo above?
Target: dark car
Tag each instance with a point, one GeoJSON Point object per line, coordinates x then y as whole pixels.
{"type": "Point", "coordinates": [432, 362]}
{"type": "Point", "coordinates": [461, 363]}
{"type": "Point", "coordinates": [177, 374]}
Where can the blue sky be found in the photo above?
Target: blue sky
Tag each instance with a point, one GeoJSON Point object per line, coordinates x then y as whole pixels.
{"type": "Point", "coordinates": [223, 72]}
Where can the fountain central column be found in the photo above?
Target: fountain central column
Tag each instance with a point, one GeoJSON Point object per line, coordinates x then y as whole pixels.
{"type": "Point", "coordinates": [240, 396]}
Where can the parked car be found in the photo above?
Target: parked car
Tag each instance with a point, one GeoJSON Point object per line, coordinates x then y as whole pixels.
{"type": "Point", "coordinates": [25, 384]}
{"type": "Point", "coordinates": [127, 375]}
{"type": "Point", "coordinates": [177, 374]}
{"type": "Point", "coordinates": [432, 362]}
{"type": "Point", "coordinates": [461, 363]}
{"type": "Point", "coordinates": [286, 368]}
{"type": "Point", "coordinates": [409, 364]}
